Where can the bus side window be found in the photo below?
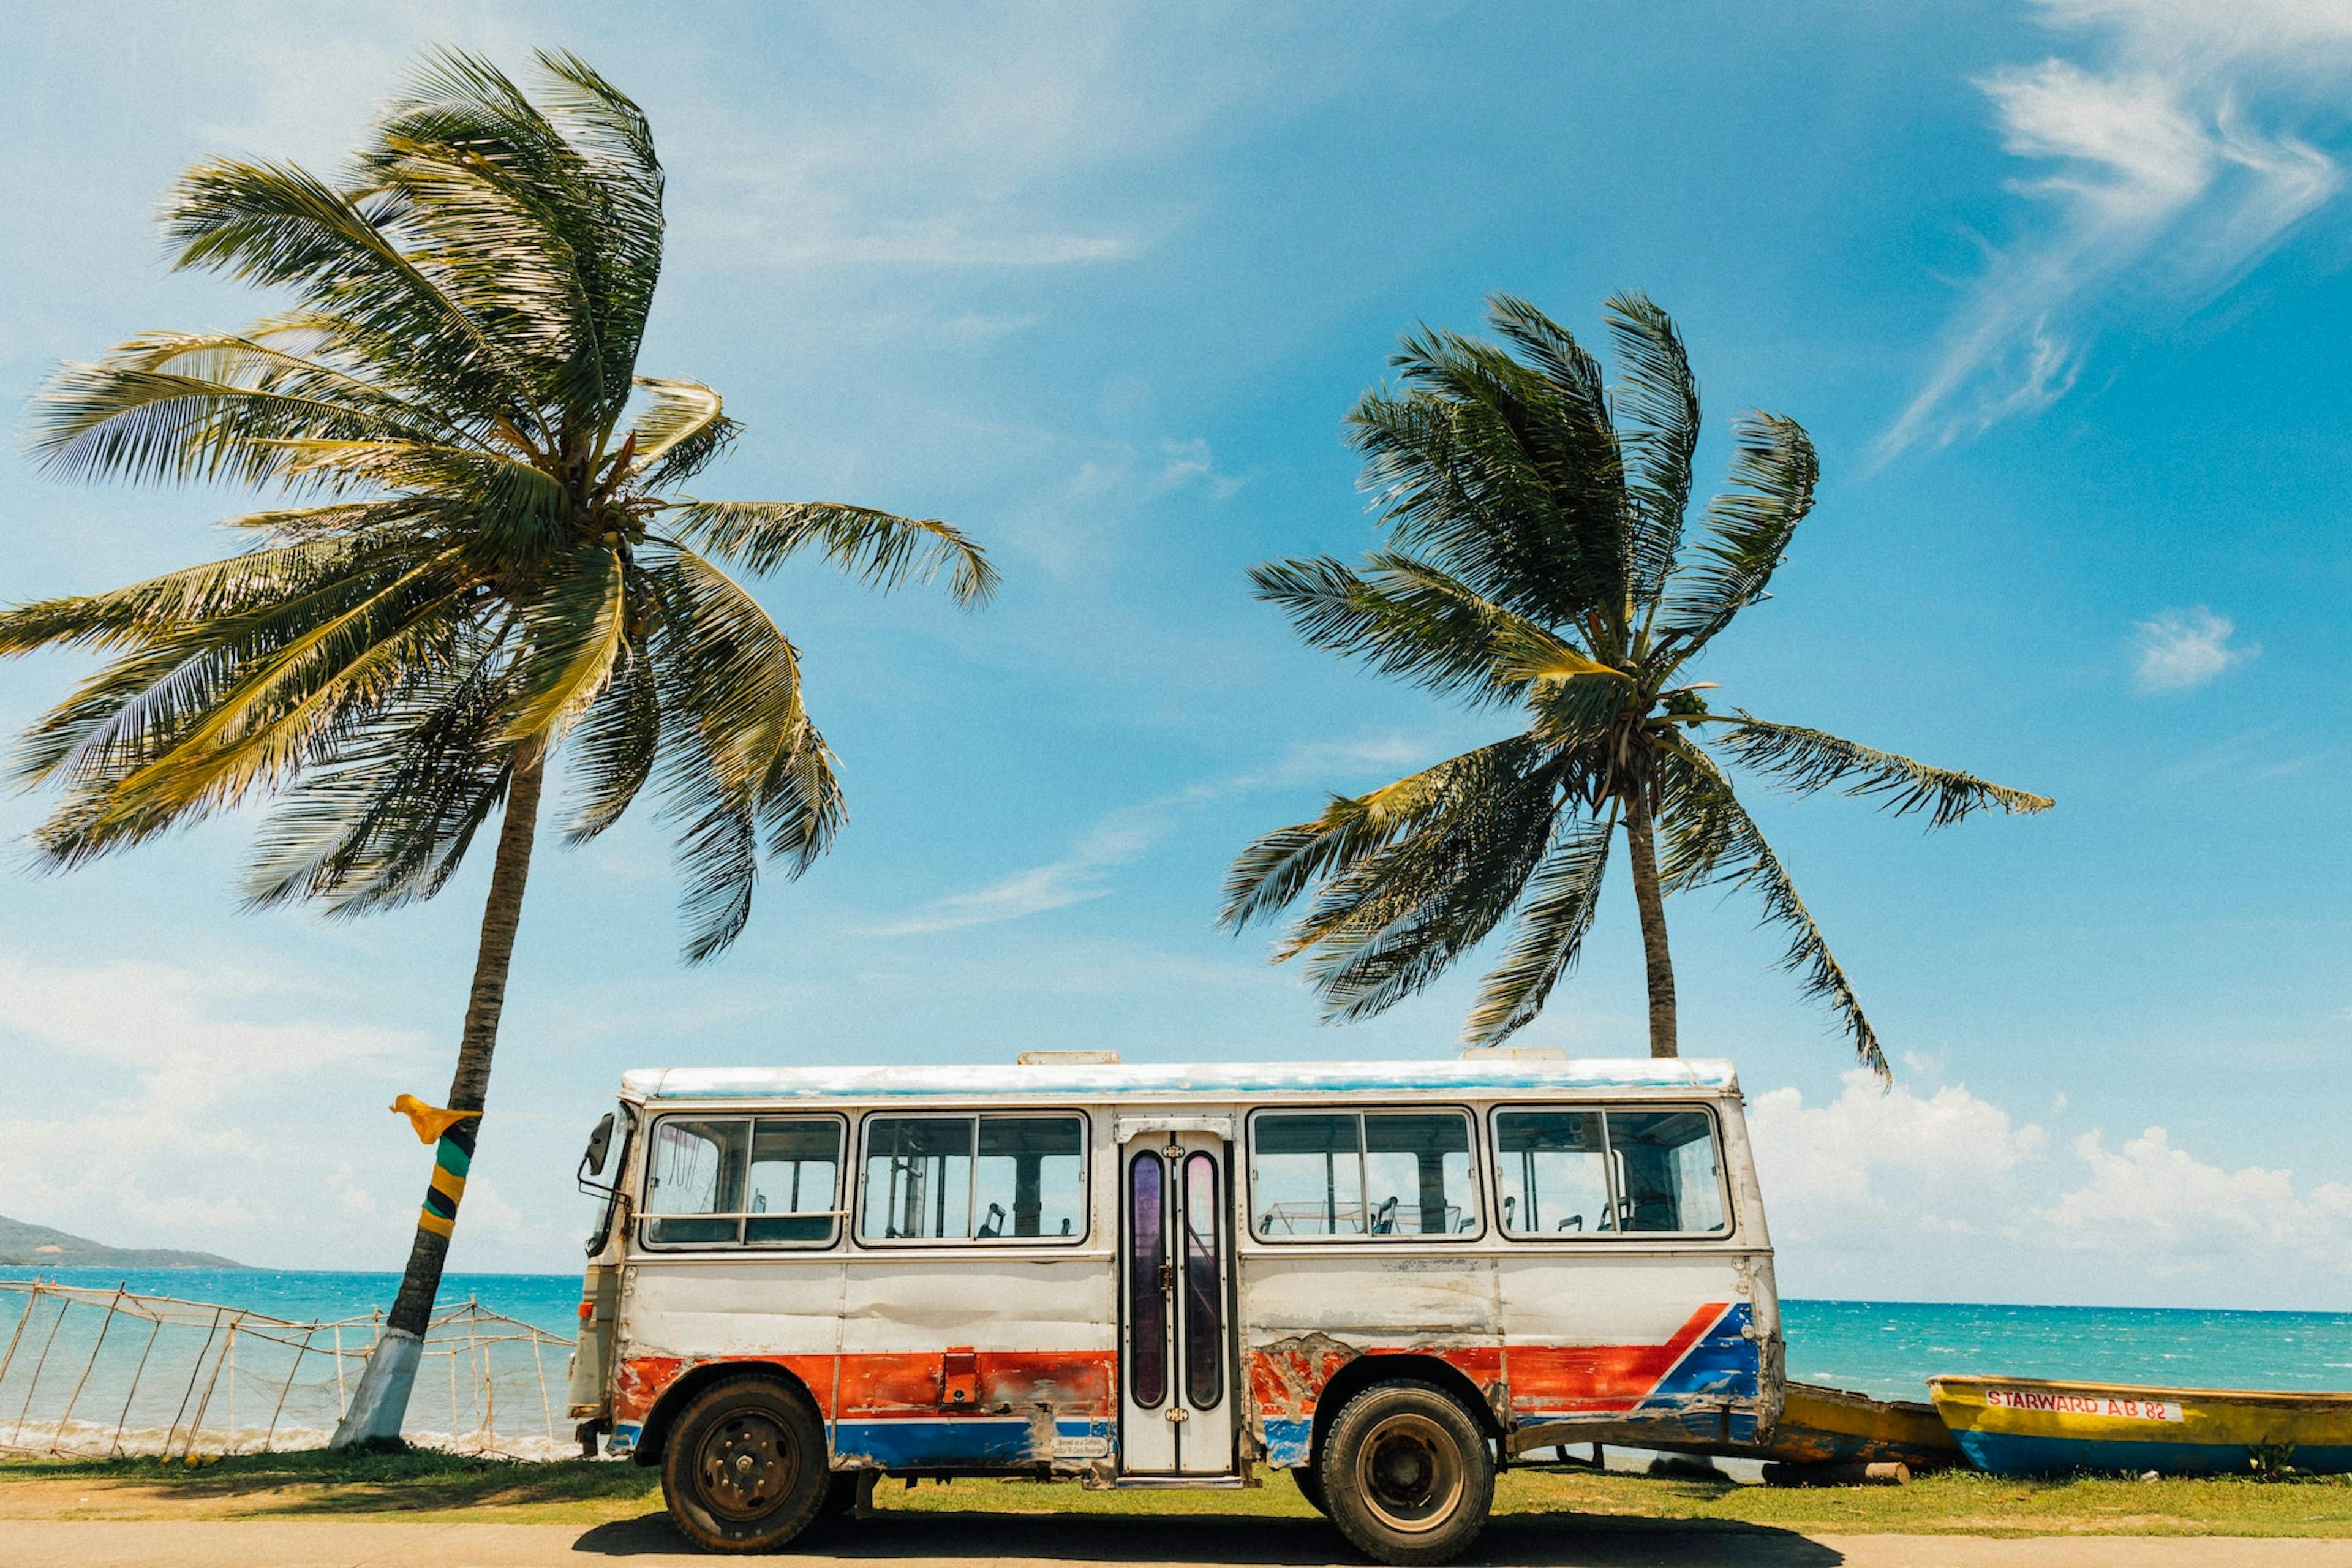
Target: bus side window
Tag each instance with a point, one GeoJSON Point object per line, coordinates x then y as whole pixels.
{"type": "Point", "coordinates": [917, 1178]}
{"type": "Point", "coordinates": [1417, 1172]}
{"type": "Point", "coordinates": [1307, 1174]}
{"type": "Point", "coordinates": [974, 1178]}
{"type": "Point", "coordinates": [695, 1168]}
{"type": "Point", "coordinates": [795, 1174]}
{"type": "Point", "coordinates": [1668, 1175]}
{"type": "Point", "coordinates": [1552, 1169]}
{"type": "Point", "coordinates": [1378, 1172]}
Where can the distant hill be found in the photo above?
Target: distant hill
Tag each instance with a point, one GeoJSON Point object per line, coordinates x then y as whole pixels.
{"type": "Point", "coordinates": [24, 1246]}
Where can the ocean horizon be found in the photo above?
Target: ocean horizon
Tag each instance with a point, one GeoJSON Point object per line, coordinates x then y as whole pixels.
{"type": "Point", "coordinates": [1888, 1349]}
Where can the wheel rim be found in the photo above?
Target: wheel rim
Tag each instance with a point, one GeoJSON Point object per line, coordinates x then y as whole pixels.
{"type": "Point", "coordinates": [747, 1466]}
{"type": "Point", "coordinates": [1409, 1472]}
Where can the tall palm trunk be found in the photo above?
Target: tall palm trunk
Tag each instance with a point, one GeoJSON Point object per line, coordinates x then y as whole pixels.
{"type": "Point", "coordinates": [1640, 842]}
{"type": "Point", "coordinates": [381, 1402]}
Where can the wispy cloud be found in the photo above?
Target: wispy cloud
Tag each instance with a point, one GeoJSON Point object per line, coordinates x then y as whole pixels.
{"type": "Point", "coordinates": [2178, 649]}
{"type": "Point", "coordinates": [1123, 836]}
{"type": "Point", "coordinates": [2152, 179]}
{"type": "Point", "coordinates": [200, 1051]}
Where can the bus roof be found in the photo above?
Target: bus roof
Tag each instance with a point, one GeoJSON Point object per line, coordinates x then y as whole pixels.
{"type": "Point", "coordinates": [1196, 1080]}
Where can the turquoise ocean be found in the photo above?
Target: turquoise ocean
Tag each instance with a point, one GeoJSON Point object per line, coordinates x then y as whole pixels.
{"type": "Point", "coordinates": [1884, 1347]}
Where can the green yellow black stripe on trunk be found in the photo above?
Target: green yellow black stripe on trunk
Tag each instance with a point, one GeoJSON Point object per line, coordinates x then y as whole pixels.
{"type": "Point", "coordinates": [452, 1157]}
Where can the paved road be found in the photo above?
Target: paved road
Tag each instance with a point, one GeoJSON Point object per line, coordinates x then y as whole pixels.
{"type": "Point", "coordinates": [1001, 1540]}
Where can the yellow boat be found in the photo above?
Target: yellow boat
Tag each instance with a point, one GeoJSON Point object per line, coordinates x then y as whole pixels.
{"type": "Point", "coordinates": [2025, 1427]}
{"type": "Point", "coordinates": [1835, 1427]}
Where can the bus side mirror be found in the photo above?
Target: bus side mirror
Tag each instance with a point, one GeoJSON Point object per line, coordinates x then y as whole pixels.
{"type": "Point", "coordinates": [600, 1144]}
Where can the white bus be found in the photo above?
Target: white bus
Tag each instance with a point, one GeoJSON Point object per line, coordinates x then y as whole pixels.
{"type": "Point", "coordinates": [1389, 1279]}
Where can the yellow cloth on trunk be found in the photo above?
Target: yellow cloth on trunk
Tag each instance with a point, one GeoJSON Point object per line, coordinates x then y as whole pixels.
{"type": "Point", "coordinates": [430, 1120]}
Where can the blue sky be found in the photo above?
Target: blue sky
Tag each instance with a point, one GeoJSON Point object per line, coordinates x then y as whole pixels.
{"type": "Point", "coordinates": [2055, 287]}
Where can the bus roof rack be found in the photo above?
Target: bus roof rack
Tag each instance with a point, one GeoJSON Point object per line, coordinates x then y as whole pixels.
{"type": "Point", "coordinates": [1513, 1054]}
{"type": "Point", "coordinates": [1066, 1060]}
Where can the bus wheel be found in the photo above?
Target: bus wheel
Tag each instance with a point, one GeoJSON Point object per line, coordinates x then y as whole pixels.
{"type": "Point", "coordinates": [1407, 1474]}
{"type": "Point", "coordinates": [745, 1469]}
{"type": "Point", "coordinates": [1310, 1486]}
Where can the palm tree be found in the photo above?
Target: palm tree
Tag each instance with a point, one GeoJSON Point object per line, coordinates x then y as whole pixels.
{"type": "Point", "coordinates": [493, 573]}
{"type": "Point", "coordinates": [1538, 561]}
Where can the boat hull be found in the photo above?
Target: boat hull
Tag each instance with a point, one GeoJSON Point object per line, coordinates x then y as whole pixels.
{"type": "Point", "coordinates": [2020, 1426]}
{"type": "Point", "coordinates": [1832, 1426]}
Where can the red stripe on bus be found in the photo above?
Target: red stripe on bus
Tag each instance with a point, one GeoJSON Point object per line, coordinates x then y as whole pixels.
{"type": "Point", "coordinates": [1074, 1382]}
{"type": "Point", "coordinates": [1599, 1377]}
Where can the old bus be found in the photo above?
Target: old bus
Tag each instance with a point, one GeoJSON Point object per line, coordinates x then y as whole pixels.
{"type": "Point", "coordinates": [1391, 1280]}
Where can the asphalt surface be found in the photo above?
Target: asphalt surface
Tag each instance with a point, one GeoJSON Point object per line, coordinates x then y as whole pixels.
{"type": "Point", "coordinates": [1001, 1541]}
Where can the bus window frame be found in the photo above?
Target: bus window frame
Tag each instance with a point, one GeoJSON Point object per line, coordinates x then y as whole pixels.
{"type": "Point", "coordinates": [1247, 1229]}
{"type": "Point", "coordinates": [641, 1222]}
{"type": "Point", "coordinates": [868, 1115]}
{"type": "Point", "coordinates": [1614, 1236]}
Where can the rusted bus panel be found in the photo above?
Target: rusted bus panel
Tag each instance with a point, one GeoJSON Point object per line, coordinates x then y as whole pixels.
{"type": "Point", "coordinates": [1041, 1335]}
{"type": "Point", "coordinates": [1078, 1382]}
{"type": "Point", "coordinates": [640, 1381]}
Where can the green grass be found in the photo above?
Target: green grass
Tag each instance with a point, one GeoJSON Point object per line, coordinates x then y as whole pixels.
{"type": "Point", "coordinates": [407, 1483]}
{"type": "Point", "coordinates": [422, 1485]}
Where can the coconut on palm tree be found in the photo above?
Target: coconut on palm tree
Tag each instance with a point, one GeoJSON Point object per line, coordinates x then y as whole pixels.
{"type": "Point", "coordinates": [481, 569]}
{"type": "Point", "coordinates": [1539, 561]}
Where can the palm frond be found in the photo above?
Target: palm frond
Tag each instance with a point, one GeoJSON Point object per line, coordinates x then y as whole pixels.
{"type": "Point", "coordinates": [1561, 898]}
{"type": "Point", "coordinates": [573, 635]}
{"type": "Point", "coordinates": [1503, 476]}
{"type": "Point", "coordinates": [682, 430]}
{"type": "Point", "coordinates": [1385, 926]}
{"type": "Point", "coordinates": [1658, 427]}
{"type": "Point", "coordinates": [1747, 529]}
{"type": "Point", "coordinates": [389, 821]}
{"type": "Point", "coordinates": [279, 226]}
{"type": "Point", "coordinates": [739, 752]}
{"type": "Point", "coordinates": [1403, 617]}
{"type": "Point", "coordinates": [1277, 867]}
{"type": "Point", "coordinates": [1711, 839]}
{"type": "Point", "coordinates": [878, 547]}
{"type": "Point", "coordinates": [119, 420]}
{"type": "Point", "coordinates": [615, 748]}
{"type": "Point", "coordinates": [1805, 760]}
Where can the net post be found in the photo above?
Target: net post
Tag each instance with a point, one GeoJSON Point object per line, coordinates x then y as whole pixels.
{"type": "Point", "coordinates": [196, 1427]}
{"type": "Point", "coordinates": [288, 1387]}
{"type": "Point", "coordinates": [115, 1449]}
{"type": "Point", "coordinates": [32, 1299]}
{"type": "Point", "coordinates": [172, 1432]}
{"type": "Point", "coordinates": [539, 1364]}
{"type": "Point", "coordinates": [58, 1437]}
{"type": "Point", "coordinates": [64, 1305]}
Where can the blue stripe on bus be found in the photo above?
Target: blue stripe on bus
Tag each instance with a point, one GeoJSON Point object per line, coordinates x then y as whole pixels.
{"type": "Point", "coordinates": [918, 1443]}
{"type": "Point", "coordinates": [1726, 1363]}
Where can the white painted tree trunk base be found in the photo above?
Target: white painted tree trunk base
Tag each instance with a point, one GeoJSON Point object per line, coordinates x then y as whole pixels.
{"type": "Point", "coordinates": [381, 1403]}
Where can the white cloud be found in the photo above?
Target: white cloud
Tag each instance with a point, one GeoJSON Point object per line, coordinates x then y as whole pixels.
{"type": "Point", "coordinates": [2178, 649]}
{"type": "Point", "coordinates": [1875, 1162]}
{"type": "Point", "coordinates": [1123, 836]}
{"type": "Point", "coordinates": [1914, 1195]}
{"type": "Point", "coordinates": [174, 1150]}
{"type": "Point", "coordinates": [2174, 1214]}
{"type": "Point", "coordinates": [2157, 181]}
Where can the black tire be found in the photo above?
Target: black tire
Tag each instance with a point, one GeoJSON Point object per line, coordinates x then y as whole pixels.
{"type": "Point", "coordinates": [1310, 1486]}
{"type": "Point", "coordinates": [745, 1467]}
{"type": "Point", "coordinates": [1407, 1474]}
